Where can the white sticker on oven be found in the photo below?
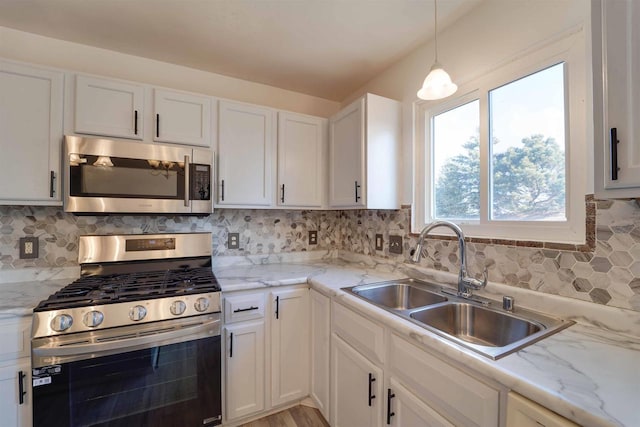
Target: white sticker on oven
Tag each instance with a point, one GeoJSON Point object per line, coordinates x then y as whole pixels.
{"type": "Point", "coordinates": [41, 381]}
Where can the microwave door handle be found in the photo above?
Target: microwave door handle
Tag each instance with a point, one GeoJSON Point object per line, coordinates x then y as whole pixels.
{"type": "Point", "coordinates": [186, 181]}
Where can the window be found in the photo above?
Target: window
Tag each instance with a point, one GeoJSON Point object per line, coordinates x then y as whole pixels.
{"type": "Point", "coordinates": [508, 159]}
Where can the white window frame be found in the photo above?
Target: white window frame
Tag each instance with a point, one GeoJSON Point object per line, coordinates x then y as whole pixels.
{"type": "Point", "coordinates": [570, 49]}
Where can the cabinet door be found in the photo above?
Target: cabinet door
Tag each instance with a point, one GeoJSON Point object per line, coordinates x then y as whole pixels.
{"type": "Point", "coordinates": [245, 144]}
{"type": "Point", "coordinates": [182, 118]}
{"type": "Point", "coordinates": [621, 41]}
{"type": "Point", "coordinates": [320, 338]}
{"type": "Point", "coordinates": [356, 387]}
{"type": "Point", "coordinates": [244, 366]}
{"type": "Point", "coordinates": [301, 143]}
{"type": "Point", "coordinates": [289, 345]}
{"type": "Point", "coordinates": [15, 412]}
{"type": "Point", "coordinates": [31, 136]}
{"type": "Point", "coordinates": [404, 409]}
{"type": "Point", "coordinates": [107, 107]}
{"type": "Point", "coordinates": [347, 156]}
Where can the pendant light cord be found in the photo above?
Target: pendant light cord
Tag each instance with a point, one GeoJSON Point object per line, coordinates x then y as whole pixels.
{"type": "Point", "coordinates": [435, 24]}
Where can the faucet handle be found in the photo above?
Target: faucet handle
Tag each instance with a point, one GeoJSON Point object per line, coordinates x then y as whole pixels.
{"type": "Point", "coordinates": [472, 283]}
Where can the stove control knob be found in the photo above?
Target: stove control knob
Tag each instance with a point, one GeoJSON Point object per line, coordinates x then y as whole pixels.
{"type": "Point", "coordinates": [61, 322]}
{"type": "Point", "coordinates": [93, 318]}
{"type": "Point", "coordinates": [202, 304]}
{"type": "Point", "coordinates": [178, 307]}
{"type": "Point", "coordinates": [137, 313]}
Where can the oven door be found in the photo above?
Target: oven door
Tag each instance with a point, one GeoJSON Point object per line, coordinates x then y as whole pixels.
{"type": "Point", "coordinates": [104, 175]}
{"type": "Point", "coordinates": [171, 380]}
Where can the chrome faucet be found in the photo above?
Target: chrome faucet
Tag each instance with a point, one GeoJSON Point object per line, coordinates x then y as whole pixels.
{"type": "Point", "coordinates": [466, 284]}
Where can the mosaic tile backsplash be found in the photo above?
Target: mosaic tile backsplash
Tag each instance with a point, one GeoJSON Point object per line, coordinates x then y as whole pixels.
{"type": "Point", "coordinates": [610, 275]}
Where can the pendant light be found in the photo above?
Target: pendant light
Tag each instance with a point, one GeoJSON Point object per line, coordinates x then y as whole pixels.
{"type": "Point", "coordinates": [437, 84]}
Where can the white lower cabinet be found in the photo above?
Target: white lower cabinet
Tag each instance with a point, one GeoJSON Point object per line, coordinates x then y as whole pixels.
{"type": "Point", "coordinates": [356, 387]}
{"type": "Point", "coordinates": [266, 351]}
{"type": "Point", "coordinates": [405, 409]}
{"type": "Point", "coordinates": [320, 350]}
{"type": "Point", "coordinates": [244, 370]}
{"type": "Point", "coordinates": [289, 345]}
{"type": "Point", "coordinates": [378, 377]}
{"type": "Point", "coordinates": [457, 396]}
{"type": "Point", "coordinates": [15, 394]}
{"type": "Point", "coordinates": [522, 412]}
{"type": "Point", "coordinates": [15, 373]}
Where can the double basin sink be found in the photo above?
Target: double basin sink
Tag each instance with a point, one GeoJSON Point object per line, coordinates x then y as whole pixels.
{"type": "Point", "coordinates": [478, 324]}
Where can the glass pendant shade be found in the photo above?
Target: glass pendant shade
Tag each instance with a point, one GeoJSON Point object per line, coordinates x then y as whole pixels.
{"type": "Point", "coordinates": [437, 84]}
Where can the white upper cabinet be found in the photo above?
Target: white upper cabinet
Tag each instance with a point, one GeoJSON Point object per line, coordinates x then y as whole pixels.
{"type": "Point", "coordinates": [616, 40]}
{"type": "Point", "coordinates": [109, 108]}
{"type": "Point", "coordinates": [301, 160]}
{"type": "Point", "coordinates": [365, 154]}
{"type": "Point", "coordinates": [347, 156]}
{"type": "Point", "coordinates": [31, 105]}
{"type": "Point", "coordinates": [245, 155]}
{"type": "Point", "coordinates": [182, 118]}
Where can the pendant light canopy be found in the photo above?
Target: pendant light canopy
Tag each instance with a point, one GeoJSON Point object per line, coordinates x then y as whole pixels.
{"type": "Point", "coordinates": [437, 84]}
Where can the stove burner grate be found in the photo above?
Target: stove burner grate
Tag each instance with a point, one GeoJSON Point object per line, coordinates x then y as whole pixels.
{"type": "Point", "coordinates": [136, 286]}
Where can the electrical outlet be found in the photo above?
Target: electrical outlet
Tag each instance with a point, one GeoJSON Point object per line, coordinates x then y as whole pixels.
{"type": "Point", "coordinates": [379, 242]}
{"type": "Point", "coordinates": [395, 244]}
{"type": "Point", "coordinates": [233, 241]}
{"type": "Point", "coordinates": [313, 237]}
{"type": "Point", "coordinates": [28, 247]}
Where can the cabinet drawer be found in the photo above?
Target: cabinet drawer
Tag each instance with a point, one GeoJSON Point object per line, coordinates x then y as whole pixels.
{"type": "Point", "coordinates": [238, 308]}
{"type": "Point", "coordinates": [462, 398]}
{"type": "Point", "coordinates": [364, 335]}
{"type": "Point", "coordinates": [523, 412]}
{"type": "Point", "coordinates": [15, 337]}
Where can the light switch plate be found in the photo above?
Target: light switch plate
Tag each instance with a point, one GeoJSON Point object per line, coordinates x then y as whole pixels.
{"type": "Point", "coordinates": [395, 244]}
{"type": "Point", "coordinates": [379, 242]}
{"type": "Point", "coordinates": [233, 241]}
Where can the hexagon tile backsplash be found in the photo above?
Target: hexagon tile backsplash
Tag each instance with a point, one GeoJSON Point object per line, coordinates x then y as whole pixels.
{"type": "Point", "coordinates": [608, 275]}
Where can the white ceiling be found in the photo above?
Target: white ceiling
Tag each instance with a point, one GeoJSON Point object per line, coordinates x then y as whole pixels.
{"type": "Point", "coordinates": [325, 48]}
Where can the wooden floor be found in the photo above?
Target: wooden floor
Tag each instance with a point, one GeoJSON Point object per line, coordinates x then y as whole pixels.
{"type": "Point", "coordinates": [298, 416]}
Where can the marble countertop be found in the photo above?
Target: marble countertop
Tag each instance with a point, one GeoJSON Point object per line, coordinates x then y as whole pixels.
{"type": "Point", "coordinates": [589, 373]}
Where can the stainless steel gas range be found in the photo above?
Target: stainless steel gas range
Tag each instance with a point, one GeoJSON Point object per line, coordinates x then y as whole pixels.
{"type": "Point", "coordinates": [135, 340]}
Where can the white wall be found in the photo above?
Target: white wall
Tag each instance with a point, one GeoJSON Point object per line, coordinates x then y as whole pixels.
{"type": "Point", "coordinates": [494, 32]}
{"type": "Point", "coordinates": [32, 48]}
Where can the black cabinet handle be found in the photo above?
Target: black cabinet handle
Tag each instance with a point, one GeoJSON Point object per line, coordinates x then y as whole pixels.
{"type": "Point", "coordinates": [231, 344]}
{"type": "Point", "coordinates": [282, 198]}
{"type": "Point", "coordinates": [52, 180]}
{"type": "Point", "coordinates": [157, 125]}
{"type": "Point", "coordinates": [21, 390]}
{"type": "Point", "coordinates": [390, 414]}
{"type": "Point", "coordinates": [240, 310]}
{"type": "Point", "coordinates": [356, 188]}
{"type": "Point", "coordinates": [222, 191]}
{"type": "Point", "coordinates": [135, 122]}
{"type": "Point", "coordinates": [277, 307]}
{"type": "Point", "coordinates": [614, 154]}
{"type": "Point", "coordinates": [371, 396]}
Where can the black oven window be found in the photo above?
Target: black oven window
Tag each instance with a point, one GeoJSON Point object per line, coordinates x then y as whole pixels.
{"type": "Point", "coordinates": [176, 385]}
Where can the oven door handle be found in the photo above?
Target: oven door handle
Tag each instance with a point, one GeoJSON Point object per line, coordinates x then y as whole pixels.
{"type": "Point", "coordinates": [52, 348]}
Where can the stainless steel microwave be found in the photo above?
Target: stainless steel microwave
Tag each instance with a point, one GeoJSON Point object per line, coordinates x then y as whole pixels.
{"type": "Point", "coordinates": [120, 176]}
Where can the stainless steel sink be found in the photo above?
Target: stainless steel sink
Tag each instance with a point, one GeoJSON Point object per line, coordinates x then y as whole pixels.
{"type": "Point", "coordinates": [398, 295]}
{"type": "Point", "coordinates": [478, 324]}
